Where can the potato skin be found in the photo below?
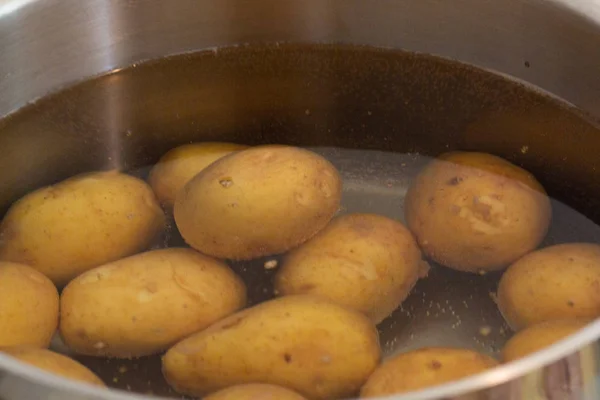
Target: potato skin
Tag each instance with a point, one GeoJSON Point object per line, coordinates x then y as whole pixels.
{"type": "Point", "coordinates": [476, 212]}
{"type": "Point", "coordinates": [255, 391]}
{"type": "Point", "coordinates": [422, 368]}
{"type": "Point", "coordinates": [179, 165]}
{"type": "Point", "coordinates": [558, 282]}
{"type": "Point", "coordinates": [81, 223]}
{"type": "Point", "coordinates": [143, 304]}
{"type": "Point", "coordinates": [28, 306]}
{"type": "Point", "coordinates": [365, 262]}
{"type": "Point", "coordinates": [539, 336]}
{"type": "Point", "coordinates": [54, 363]}
{"type": "Point", "coordinates": [305, 343]}
{"type": "Point", "coordinates": [258, 202]}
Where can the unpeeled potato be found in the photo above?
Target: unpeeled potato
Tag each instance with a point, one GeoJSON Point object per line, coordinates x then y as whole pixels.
{"type": "Point", "coordinates": [476, 212]}
{"type": "Point", "coordinates": [28, 306]}
{"type": "Point", "coordinates": [257, 202]}
{"type": "Point", "coordinates": [179, 165]}
{"type": "Point", "coordinates": [539, 336]}
{"type": "Point", "coordinates": [305, 343]}
{"type": "Point", "coordinates": [80, 223]}
{"type": "Point", "coordinates": [54, 363]}
{"type": "Point", "coordinates": [363, 261]}
{"type": "Point", "coordinates": [558, 282]}
{"type": "Point", "coordinates": [145, 303]}
{"type": "Point", "coordinates": [255, 391]}
{"type": "Point", "coordinates": [423, 368]}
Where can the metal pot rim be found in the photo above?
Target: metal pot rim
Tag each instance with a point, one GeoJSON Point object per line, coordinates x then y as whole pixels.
{"type": "Point", "coordinates": [493, 377]}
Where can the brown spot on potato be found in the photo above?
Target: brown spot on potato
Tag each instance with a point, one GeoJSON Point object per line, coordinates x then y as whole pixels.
{"type": "Point", "coordinates": [570, 303]}
{"type": "Point", "coordinates": [287, 357]}
{"type": "Point", "coordinates": [362, 227]}
{"type": "Point", "coordinates": [435, 365]}
{"type": "Point", "coordinates": [454, 181]}
{"type": "Point", "coordinates": [484, 210]}
{"type": "Point", "coordinates": [325, 189]}
{"type": "Point", "coordinates": [51, 193]}
{"type": "Point", "coordinates": [226, 182]}
{"type": "Point", "coordinates": [307, 287]}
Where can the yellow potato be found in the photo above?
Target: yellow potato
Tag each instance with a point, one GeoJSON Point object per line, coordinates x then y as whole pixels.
{"type": "Point", "coordinates": [257, 202]}
{"type": "Point", "coordinates": [420, 369]}
{"type": "Point", "coordinates": [363, 261]}
{"type": "Point", "coordinates": [54, 363]}
{"type": "Point", "coordinates": [539, 336]}
{"type": "Point", "coordinates": [558, 282]}
{"type": "Point", "coordinates": [476, 212]}
{"type": "Point", "coordinates": [145, 303]}
{"type": "Point", "coordinates": [305, 343]}
{"type": "Point", "coordinates": [28, 306]}
{"type": "Point", "coordinates": [178, 166]}
{"type": "Point", "coordinates": [255, 391]}
{"type": "Point", "coordinates": [80, 223]}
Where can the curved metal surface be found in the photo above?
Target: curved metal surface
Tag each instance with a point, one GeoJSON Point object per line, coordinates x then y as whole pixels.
{"type": "Point", "coordinates": [48, 44]}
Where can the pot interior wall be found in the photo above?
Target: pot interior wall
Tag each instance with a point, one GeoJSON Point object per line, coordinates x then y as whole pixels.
{"type": "Point", "coordinates": [327, 96]}
{"type": "Point", "coordinates": [308, 95]}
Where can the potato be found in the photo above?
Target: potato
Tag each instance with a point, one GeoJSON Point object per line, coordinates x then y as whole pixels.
{"type": "Point", "coordinates": [143, 304]}
{"type": "Point", "coordinates": [424, 367]}
{"type": "Point", "coordinates": [258, 202]}
{"type": "Point", "coordinates": [558, 282]}
{"type": "Point", "coordinates": [54, 363]}
{"type": "Point", "coordinates": [305, 343]}
{"type": "Point", "coordinates": [255, 391]}
{"type": "Point", "coordinates": [476, 212]}
{"type": "Point", "coordinates": [363, 261]}
{"type": "Point", "coordinates": [80, 223]}
{"type": "Point", "coordinates": [539, 336]}
{"type": "Point", "coordinates": [178, 166]}
{"type": "Point", "coordinates": [28, 306]}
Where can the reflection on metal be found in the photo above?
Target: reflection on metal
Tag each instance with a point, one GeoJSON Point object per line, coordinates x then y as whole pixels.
{"type": "Point", "coordinates": [9, 6]}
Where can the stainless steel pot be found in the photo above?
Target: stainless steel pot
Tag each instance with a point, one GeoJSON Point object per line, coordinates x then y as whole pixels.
{"type": "Point", "coordinates": [553, 44]}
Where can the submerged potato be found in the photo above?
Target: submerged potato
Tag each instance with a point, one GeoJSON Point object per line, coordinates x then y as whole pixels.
{"type": "Point", "coordinates": [80, 223]}
{"type": "Point", "coordinates": [363, 261]}
{"type": "Point", "coordinates": [145, 303]}
{"type": "Point", "coordinates": [179, 165]}
{"type": "Point", "coordinates": [538, 337]}
{"type": "Point", "coordinates": [476, 212]}
{"type": "Point", "coordinates": [255, 391]}
{"type": "Point", "coordinates": [28, 306]}
{"type": "Point", "coordinates": [54, 363]}
{"type": "Point", "coordinates": [558, 282]}
{"type": "Point", "coordinates": [305, 343]}
{"type": "Point", "coordinates": [423, 368]}
{"type": "Point", "coordinates": [258, 202]}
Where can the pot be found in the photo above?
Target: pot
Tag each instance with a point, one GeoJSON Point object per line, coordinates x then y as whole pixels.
{"type": "Point", "coordinates": [53, 44]}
